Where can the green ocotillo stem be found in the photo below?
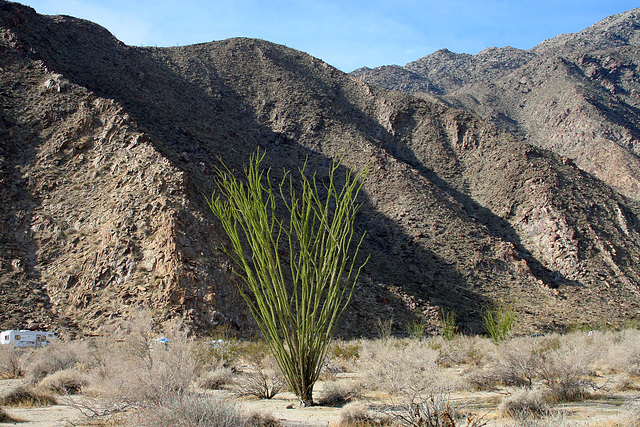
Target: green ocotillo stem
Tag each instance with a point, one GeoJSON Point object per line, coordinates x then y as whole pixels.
{"type": "Point", "coordinates": [296, 310]}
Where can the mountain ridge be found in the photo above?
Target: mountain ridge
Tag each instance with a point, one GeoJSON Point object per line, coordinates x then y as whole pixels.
{"type": "Point", "coordinates": [112, 148]}
{"type": "Point", "coordinates": [575, 94]}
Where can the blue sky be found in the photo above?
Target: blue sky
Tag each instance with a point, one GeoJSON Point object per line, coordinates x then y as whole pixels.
{"type": "Point", "coordinates": [347, 34]}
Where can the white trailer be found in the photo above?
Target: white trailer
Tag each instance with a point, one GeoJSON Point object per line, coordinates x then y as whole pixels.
{"type": "Point", "coordinates": [26, 338]}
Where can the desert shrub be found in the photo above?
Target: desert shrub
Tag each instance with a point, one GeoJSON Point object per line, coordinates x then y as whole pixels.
{"type": "Point", "coordinates": [356, 414]}
{"type": "Point", "coordinates": [479, 379]}
{"type": "Point", "coordinates": [461, 350]}
{"type": "Point", "coordinates": [261, 378]}
{"type": "Point", "coordinates": [27, 396]}
{"type": "Point", "coordinates": [55, 357]}
{"type": "Point", "coordinates": [69, 381]}
{"type": "Point", "coordinates": [623, 353]}
{"type": "Point", "coordinates": [566, 370]}
{"type": "Point", "coordinates": [196, 411]}
{"type": "Point", "coordinates": [219, 353]}
{"type": "Point", "coordinates": [398, 366]}
{"type": "Point", "coordinates": [141, 369]}
{"type": "Point", "coordinates": [10, 363]}
{"type": "Point", "coordinates": [342, 357]}
{"type": "Point", "coordinates": [518, 362]}
{"type": "Point", "coordinates": [347, 351]}
{"type": "Point", "coordinates": [499, 321]}
{"type": "Point", "coordinates": [216, 380]}
{"type": "Point", "coordinates": [625, 382]}
{"type": "Point", "coordinates": [525, 404]}
{"type": "Point", "coordinates": [339, 393]}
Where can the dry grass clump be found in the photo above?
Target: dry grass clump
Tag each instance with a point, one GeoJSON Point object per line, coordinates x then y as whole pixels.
{"type": "Point", "coordinates": [357, 414]}
{"type": "Point", "coordinates": [339, 393]}
{"type": "Point", "coordinates": [197, 411]}
{"type": "Point", "coordinates": [69, 381]}
{"type": "Point", "coordinates": [525, 404]}
{"type": "Point", "coordinates": [27, 397]}
{"type": "Point", "coordinates": [216, 380]}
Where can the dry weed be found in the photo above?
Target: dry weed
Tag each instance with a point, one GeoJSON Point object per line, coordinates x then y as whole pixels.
{"type": "Point", "coordinates": [216, 380]}
{"type": "Point", "coordinates": [525, 404]}
{"type": "Point", "coordinates": [261, 379]}
{"type": "Point", "coordinates": [197, 411]}
{"type": "Point", "coordinates": [357, 414]}
{"type": "Point", "coordinates": [339, 393]}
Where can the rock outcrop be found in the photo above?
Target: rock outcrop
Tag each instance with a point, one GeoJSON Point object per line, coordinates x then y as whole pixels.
{"type": "Point", "coordinates": [109, 151]}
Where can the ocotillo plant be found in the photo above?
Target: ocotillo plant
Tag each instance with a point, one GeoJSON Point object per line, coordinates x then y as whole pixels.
{"type": "Point", "coordinates": [296, 308]}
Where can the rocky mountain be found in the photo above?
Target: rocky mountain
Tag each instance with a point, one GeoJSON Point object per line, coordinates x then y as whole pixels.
{"type": "Point", "coordinates": [576, 94]}
{"type": "Point", "coordinates": [108, 152]}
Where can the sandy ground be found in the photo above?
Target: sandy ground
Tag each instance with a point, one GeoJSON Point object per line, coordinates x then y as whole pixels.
{"type": "Point", "coordinates": [284, 407]}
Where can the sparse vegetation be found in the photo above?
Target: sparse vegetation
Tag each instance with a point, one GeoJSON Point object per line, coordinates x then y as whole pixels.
{"type": "Point", "coordinates": [392, 381]}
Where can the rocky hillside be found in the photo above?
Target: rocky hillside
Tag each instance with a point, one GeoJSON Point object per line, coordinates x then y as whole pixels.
{"type": "Point", "coordinates": [577, 94]}
{"type": "Point", "coordinates": [109, 151]}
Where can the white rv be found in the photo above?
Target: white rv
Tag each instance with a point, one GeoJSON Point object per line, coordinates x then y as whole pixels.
{"type": "Point", "coordinates": [26, 338]}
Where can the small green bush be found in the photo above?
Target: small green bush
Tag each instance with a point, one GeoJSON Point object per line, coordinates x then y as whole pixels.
{"type": "Point", "coordinates": [345, 350]}
{"type": "Point", "coordinates": [498, 322]}
{"type": "Point", "coordinates": [448, 326]}
{"type": "Point", "coordinates": [416, 329]}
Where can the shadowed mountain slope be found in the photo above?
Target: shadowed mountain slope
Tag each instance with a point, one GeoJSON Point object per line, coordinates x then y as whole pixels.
{"type": "Point", "coordinates": [108, 152]}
